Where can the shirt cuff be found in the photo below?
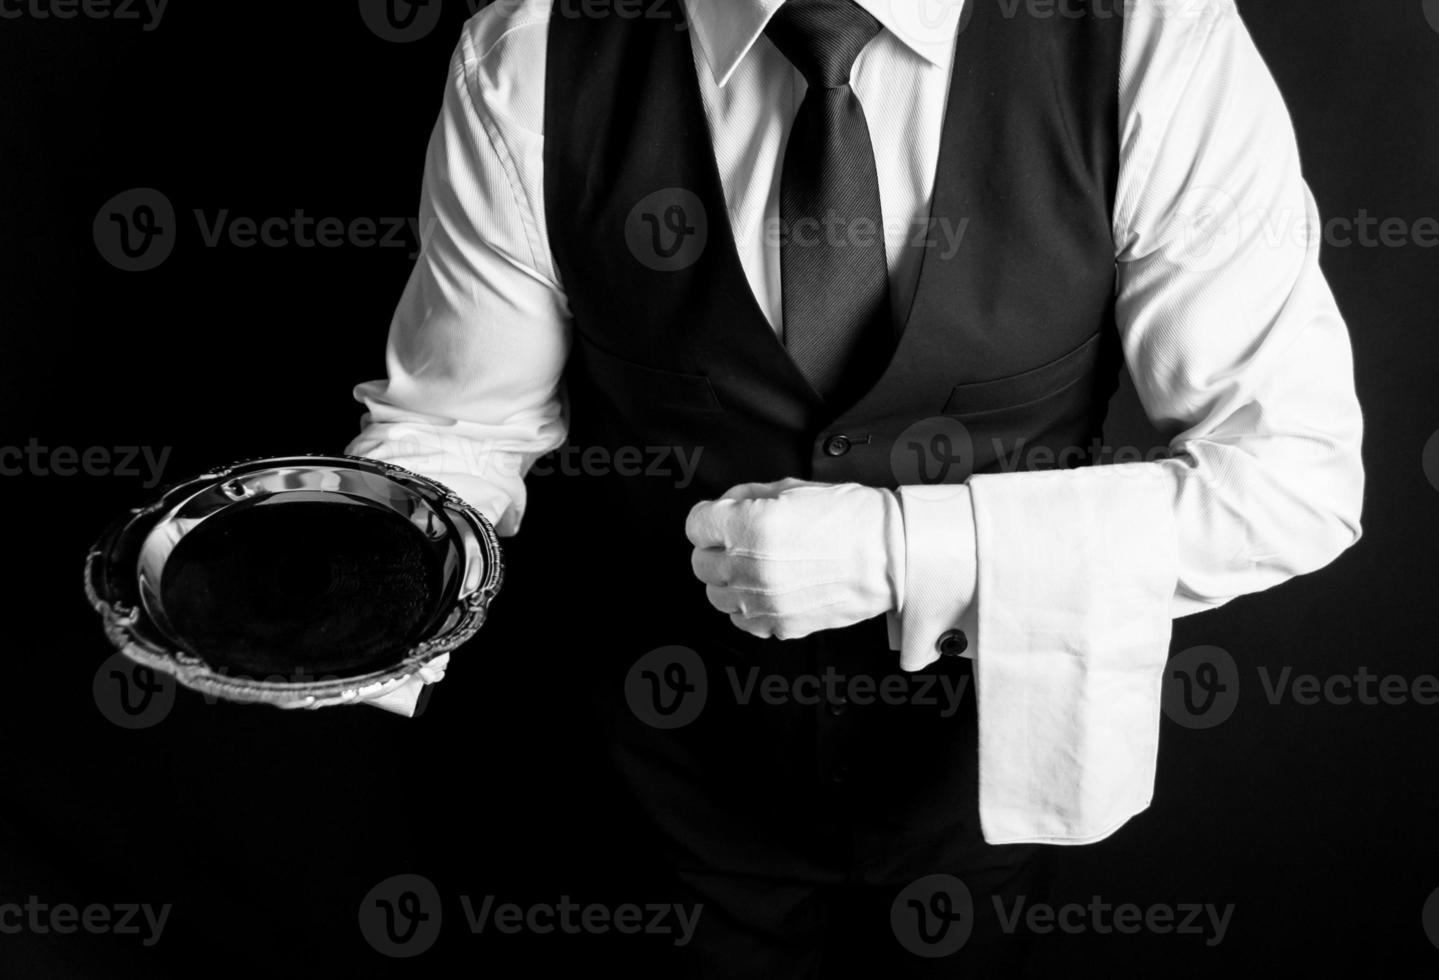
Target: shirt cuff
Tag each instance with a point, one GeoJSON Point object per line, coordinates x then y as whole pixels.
{"type": "Point", "coordinates": [486, 477]}
{"type": "Point", "coordinates": [940, 574]}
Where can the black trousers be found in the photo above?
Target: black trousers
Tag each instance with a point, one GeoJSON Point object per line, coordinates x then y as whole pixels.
{"type": "Point", "coordinates": [822, 808]}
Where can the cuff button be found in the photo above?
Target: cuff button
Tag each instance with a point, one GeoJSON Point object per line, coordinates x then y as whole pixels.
{"type": "Point", "coordinates": [952, 643]}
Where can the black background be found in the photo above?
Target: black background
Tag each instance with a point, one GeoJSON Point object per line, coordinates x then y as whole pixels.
{"type": "Point", "coordinates": [266, 829]}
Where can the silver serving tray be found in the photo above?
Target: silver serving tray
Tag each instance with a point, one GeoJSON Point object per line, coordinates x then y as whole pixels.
{"type": "Point", "coordinates": [164, 608]}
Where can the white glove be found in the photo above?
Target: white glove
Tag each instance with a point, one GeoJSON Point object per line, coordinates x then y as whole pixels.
{"type": "Point", "coordinates": [790, 558]}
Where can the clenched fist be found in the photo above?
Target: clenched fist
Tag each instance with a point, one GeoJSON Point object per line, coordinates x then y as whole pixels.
{"type": "Point", "coordinates": [788, 559]}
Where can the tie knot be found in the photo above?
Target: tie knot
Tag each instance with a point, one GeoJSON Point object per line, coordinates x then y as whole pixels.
{"type": "Point", "coordinates": [822, 38]}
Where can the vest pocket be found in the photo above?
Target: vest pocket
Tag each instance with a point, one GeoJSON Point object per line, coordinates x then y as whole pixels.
{"type": "Point", "coordinates": [629, 383]}
{"type": "Point", "coordinates": [1027, 387]}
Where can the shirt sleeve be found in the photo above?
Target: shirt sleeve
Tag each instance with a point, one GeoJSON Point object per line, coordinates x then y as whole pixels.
{"type": "Point", "coordinates": [1240, 356]}
{"type": "Point", "coordinates": [478, 343]}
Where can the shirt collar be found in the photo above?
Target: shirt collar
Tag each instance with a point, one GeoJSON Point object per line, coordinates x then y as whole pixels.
{"type": "Point", "coordinates": [728, 29]}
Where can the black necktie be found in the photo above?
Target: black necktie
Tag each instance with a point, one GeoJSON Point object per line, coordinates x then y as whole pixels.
{"type": "Point", "coordinates": [837, 322]}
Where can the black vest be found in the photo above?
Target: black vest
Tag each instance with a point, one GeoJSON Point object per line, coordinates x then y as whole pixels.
{"type": "Point", "coordinates": [1012, 335]}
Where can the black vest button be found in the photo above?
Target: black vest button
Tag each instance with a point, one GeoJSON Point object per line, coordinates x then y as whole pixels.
{"type": "Point", "coordinates": [839, 705]}
{"type": "Point", "coordinates": [836, 446]}
{"type": "Point", "coordinates": [952, 643]}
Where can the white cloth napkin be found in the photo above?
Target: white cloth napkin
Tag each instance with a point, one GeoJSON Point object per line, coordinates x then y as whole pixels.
{"type": "Point", "coordinates": [404, 699]}
{"type": "Point", "coordinates": [1075, 592]}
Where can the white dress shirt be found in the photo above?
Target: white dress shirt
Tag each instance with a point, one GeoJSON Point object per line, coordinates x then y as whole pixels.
{"type": "Point", "coordinates": [1066, 580]}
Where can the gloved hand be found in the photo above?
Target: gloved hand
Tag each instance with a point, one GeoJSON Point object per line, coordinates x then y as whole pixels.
{"type": "Point", "coordinates": [790, 558]}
